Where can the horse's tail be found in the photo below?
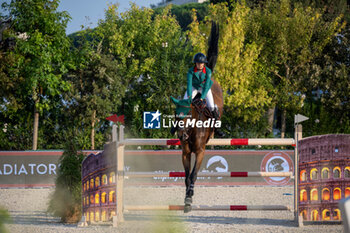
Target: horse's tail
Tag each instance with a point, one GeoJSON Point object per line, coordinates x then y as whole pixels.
{"type": "Point", "coordinates": [213, 47]}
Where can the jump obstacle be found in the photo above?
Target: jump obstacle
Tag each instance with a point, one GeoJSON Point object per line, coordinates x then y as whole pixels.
{"type": "Point", "coordinates": [121, 174]}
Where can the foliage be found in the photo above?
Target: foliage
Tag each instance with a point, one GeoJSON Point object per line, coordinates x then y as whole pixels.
{"type": "Point", "coordinates": [335, 80]}
{"type": "Point", "coordinates": [152, 58]}
{"type": "Point", "coordinates": [329, 92]}
{"type": "Point", "coordinates": [14, 131]}
{"type": "Point", "coordinates": [323, 120]}
{"type": "Point", "coordinates": [198, 35]}
{"type": "Point", "coordinates": [238, 70]}
{"type": "Point", "coordinates": [4, 218]}
{"type": "Point", "coordinates": [65, 202]}
{"type": "Point", "coordinates": [288, 54]}
{"type": "Point", "coordinates": [97, 87]}
{"type": "Point", "coordinates": [43, 48]}
{"type": "Point", "coordinates": [40, 55]}
{"type": "Point", "coordinates": [183, 14]}
{"type": "Point", "coordinates": [291, 37]}
{"type": "Point", "coordinates": [229, 3]}
{"type": "Point", "coordinates": [9, 79]}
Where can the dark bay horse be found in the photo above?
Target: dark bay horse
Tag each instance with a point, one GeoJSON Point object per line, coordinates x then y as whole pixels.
{"type": "Point", "coordinates": [194, 140]}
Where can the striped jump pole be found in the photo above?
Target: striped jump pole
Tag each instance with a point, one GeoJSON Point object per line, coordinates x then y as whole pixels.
{"type": "Point", "coordinates": [213, 142]}
{"type": "Point", "coordinates": [209, 174]}
{"type": "Point", "coordinates": [210, 207]}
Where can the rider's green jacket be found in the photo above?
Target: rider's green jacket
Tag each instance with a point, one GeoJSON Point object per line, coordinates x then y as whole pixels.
{"type": "Point", "coordinates": [199, 80]}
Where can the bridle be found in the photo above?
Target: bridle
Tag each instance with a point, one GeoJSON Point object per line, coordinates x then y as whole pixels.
{"type": "Point", "coordinates": [187, 131]}
{"type": "Point", "coordinates": [201, 110]}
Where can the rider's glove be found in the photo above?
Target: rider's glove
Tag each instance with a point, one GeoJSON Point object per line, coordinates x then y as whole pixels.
{"type": "Point", "coordinates": [203, 103]}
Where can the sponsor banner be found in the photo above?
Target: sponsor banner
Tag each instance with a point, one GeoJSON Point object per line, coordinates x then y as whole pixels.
{"type": "Point", "coordinates": [214, 161]}
{"type": "Point", "coordinates": [26, 169]}
{"type": "Point", "coordinates": [39, 168]}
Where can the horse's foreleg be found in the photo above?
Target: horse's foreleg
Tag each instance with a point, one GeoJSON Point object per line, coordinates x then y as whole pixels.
{"type": "Point", "coordinates": [196, 167]}
{"type": "Point", "coordinates": [186, 161]}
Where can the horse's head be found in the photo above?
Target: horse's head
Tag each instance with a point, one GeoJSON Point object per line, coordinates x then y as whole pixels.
{"type": "Point", "coordinates": [183, 114]}
{"type": "Point", "coordinates": [184, 129]}
{"type": "Point", "coordinates": [186, 116]}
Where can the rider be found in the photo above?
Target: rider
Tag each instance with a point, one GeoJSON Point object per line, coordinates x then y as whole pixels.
{"type": "Point", "coordinates": [199, 80]}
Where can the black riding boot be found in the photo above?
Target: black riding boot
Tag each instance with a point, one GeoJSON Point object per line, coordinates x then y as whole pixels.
{"type": "Point", "coordinates": [218, 132]}
{"type": "Point", "coordinates": [173, 130]}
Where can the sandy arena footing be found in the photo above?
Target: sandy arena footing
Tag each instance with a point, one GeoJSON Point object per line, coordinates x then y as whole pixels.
{"type": "Point", "coordinates": [28, 211]}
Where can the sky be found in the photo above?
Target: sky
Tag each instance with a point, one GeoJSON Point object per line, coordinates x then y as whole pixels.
{"type": "Point", "coordinates": [88, 12]}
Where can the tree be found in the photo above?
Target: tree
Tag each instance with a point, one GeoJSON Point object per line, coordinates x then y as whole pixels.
{"type": "Point", "coordinates": [238, 70]}
{"type": "Point", "coordinates": [152, 57]}
{"type": "Point", "coordinates": [328, 94]}
{"type": "Point", "coordinates": [43, 50]}
{"type": "Point", "coordinates": [335, 79]}
{"type": "Point", "coordinates": [183, 14]}
{"type": "Point", "coordinates": [291, 38]}
{"type": "Point", "coordinates": [97, 88]}
{"type": "Point", "coordinates": [65, 201]}
{"type": "Point", "coordinates": [229, 3]}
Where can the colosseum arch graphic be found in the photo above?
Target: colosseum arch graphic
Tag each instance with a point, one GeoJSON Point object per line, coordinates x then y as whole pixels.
{"type": "Point", "coordinates": [326, 194]}
{"type": "Point", "coordinates": [303, 195]}
{"type": "Point", "coordinates": [324, 165]}
{"type": "Point", "coordinates": [325, 173]}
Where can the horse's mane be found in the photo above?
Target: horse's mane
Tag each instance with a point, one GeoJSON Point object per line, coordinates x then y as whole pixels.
{"type": "Point", "coordinates": [213, 42]}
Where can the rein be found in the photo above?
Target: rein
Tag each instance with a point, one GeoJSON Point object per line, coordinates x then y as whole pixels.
{"type": "Point", "coordinates": [202, 109]}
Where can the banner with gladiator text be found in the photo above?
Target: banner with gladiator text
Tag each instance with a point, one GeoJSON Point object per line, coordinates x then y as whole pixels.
{"type": "Point", "coordinates": [29, 169]}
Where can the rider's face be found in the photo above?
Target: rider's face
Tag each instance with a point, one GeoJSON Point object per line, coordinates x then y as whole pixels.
{"type": "Point", "coordinates": [200, 66]}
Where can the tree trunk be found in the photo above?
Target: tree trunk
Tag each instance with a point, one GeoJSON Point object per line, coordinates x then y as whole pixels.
{"type": "Point", "coordinates": [35, 127]}
{"type": "Point", "coordinates": [284, 111]}
{"type": "Point", "coordinates": [270, 118]}
{"type": "Point", "coordinates": [283, 123]}
{"type": "Point", "coordinates": [93, 130]}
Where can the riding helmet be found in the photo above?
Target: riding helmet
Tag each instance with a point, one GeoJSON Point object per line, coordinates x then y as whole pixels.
{"type": "Point", "coordinates": [200, 58]}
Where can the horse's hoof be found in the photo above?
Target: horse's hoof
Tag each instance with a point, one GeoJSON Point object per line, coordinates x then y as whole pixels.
{"type": "Point", "coordinates": [187, 208]}
{"type": "Point", "coordinates": [188, 200]}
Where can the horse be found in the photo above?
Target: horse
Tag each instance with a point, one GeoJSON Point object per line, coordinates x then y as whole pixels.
{"type": "Point", "coordinates": [194, 140]}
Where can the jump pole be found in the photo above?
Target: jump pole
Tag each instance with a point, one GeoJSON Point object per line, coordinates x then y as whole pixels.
{"type": "Point", "coordinates": [209, 174]}
{"type": "Point", "coordinates": [297, 136]}
{"type": "Point", "coordinates": [296, 217]}
{"type": "Point", "coordinates": [210, 207]}
{"type": "Point", "coordinates": [120, 178]}
{"type": "Point", "coordinates": [213, 142]}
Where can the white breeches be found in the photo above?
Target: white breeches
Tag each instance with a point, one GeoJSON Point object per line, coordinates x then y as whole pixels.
{"type": "Point", "coordinates": [209, 98]}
